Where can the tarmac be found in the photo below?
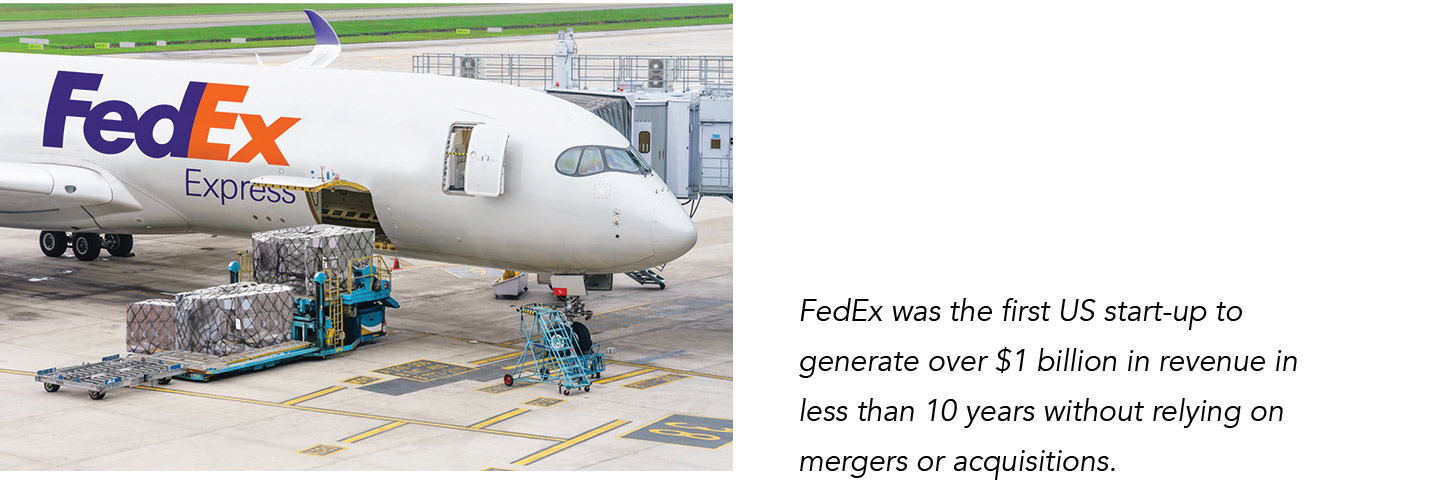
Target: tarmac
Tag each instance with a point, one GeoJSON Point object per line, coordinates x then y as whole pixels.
{"type": "Point", "coordinates": [428, 396]}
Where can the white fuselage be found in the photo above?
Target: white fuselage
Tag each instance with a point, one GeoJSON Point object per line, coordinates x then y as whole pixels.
{"type": "Point", "coordinates": [387, 132]}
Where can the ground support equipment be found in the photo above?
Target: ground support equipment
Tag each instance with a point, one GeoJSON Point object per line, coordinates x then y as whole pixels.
{"type": "Point", "coordinates": [552, 353]}
{"type": "Point", "coordinates": [112, 372]}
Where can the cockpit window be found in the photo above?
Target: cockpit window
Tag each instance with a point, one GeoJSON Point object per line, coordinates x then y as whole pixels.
{"type": "Point", "coordinates": [568, 162]}
{"type": "Point", "coordinates": [588, 160]}
{"type": "Point", "coordinates": [619, 160]}
{"type": "Point", "coordinates": [592, 162]}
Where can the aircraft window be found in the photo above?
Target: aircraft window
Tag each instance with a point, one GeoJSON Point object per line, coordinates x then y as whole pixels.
{"type": "Point", "coordinates": [588, 160]}
{"type": "Point", "coordinates": [643, 166]}
{"type": "Point", "coordinates": [619, 160]}
{"type": "Point", "coordinates": [568, 162]}
{"type": "Point", "coordinates": [593, 162]}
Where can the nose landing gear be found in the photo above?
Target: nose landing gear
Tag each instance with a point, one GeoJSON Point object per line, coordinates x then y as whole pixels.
{"type": "Point", "coordinates": [86, 246]}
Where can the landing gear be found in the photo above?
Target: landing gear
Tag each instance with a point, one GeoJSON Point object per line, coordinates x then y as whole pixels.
{"type": "Point", "coordinates": [574, 308]}
{"type": "Point", "coordinates": [118, 245]}
{"type": "Point", "coordinates": [53, 243]}
{"type": "Point", "coordinates": [87, 246]}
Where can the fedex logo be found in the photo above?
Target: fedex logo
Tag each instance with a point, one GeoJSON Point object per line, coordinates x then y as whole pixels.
{"type": "Point", "coordinates": [191, 123]}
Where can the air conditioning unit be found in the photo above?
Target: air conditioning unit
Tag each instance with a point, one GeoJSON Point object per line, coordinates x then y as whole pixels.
{"type": "Point", "coordinates": [656, 73]}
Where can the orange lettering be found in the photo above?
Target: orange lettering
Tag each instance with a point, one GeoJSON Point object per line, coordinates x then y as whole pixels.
{"type": "Point", "coordinates": [264, 139]}
{"type": "Point", "coordinates": [208, 118]}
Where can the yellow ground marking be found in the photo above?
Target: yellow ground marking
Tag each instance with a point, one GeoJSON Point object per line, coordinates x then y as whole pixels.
{"type": "Point", "coordinates": [623, 376]}
{"type": "Point", "coordinates": [499, 418]}
{"type": "Point", "coordinates": [361, 380]}
{"type": "Point", "coordinates": [673, 370]}
{"type": "Point", "coordinates": [495, 358]}
{"type": "Point", "coordinates": [349, 414]}
{"type": "Point", "coordinates": [313, 395]}
{"type": "Point", "coordinates": [545, 402]}
{"type": "Point", "coordinates": [656, 381]}
{"type": "Point", "coordinates": [16, 372]}
{"type": "Point", "coordinates": [321, 450]}
{"type": "Point", "coordinates": [541, 454]}
{"type": "Point", "coordinates": [361, 436]}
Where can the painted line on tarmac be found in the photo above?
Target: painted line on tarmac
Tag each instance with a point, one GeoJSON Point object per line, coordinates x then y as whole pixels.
{"type": "Point", "coordinates": [623, 376]}
{"type": "Point", "coordinates": [313, 395]}
{"type": "Point", "coordinates": [499, 418]}
{"type": "Point", "coordinates": [365, 435]}
{"type": "Point", "coordinates": [597, 431]}
{"type": "Point", "coordinates": [350, 414]}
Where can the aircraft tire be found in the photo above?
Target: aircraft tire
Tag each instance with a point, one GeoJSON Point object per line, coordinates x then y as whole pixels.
{"type": "Point", "coordinates": [87, 246]}
{"type": "Point", "coordinates": [119, 245]}
{"type": "Point", "coordinates": [581, 334]}
{"type": "Point", "coordinates": [53, 243]}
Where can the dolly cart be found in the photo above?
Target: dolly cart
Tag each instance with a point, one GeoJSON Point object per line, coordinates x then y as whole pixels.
{"type": "Point", "coordinates": [111, 372]}
{"type": "Point", "coordinates": [552, 347]}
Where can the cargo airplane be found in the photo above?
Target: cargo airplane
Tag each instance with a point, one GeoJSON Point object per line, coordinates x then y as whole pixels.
{"type": "Point", "coordinates": [94, 150]}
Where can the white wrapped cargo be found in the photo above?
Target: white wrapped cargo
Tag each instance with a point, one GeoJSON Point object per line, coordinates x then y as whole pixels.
{"type": "Point", "coordinates": [234, 318]}
{"type": "Point", "coordinates": [151, 326]}
{"type": "Point", "coordinates": [291, 256]}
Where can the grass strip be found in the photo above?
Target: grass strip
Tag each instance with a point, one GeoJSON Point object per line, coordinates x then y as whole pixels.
{"type": "Point", "coordinates": [390, 30]}
{"type": "Point", "coordinates": [73, 11]}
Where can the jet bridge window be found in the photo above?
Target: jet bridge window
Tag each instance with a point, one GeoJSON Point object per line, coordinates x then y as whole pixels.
{"type": "Point", "coordinates": [589, 160]}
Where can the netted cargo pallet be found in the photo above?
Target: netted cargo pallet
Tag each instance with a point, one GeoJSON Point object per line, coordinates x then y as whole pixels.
{"type": "Point", "coordinates": [292, 256]}
{"type": "Point", "coordinates": [232, 319]}
{"type": "Point", "coordinates": [151, 326]}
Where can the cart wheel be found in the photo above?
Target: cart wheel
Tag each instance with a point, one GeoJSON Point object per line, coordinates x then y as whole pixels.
{"type": "Point", "coordinates": [164, 381]}
{"type": "Point", "coordinates": [544, 372]}
{"type": "Point", "coordinates": [662, 285]}
{"type": "Point", "coordinates": [586, 389]}
{"type": "Point", "coordinates": [51, 387]}
{"type": "Point", "coordinates": [566, 391]}
{"type": "Point", "coordinates": [508, 380]}
{"type": "Point", "coordinates": [97, 395]}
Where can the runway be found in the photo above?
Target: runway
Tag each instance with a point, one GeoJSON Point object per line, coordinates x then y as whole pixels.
{"type": "Point", "coordinates": [428, 396]}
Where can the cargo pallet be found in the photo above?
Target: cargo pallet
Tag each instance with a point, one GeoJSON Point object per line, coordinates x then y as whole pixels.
{"type": "Point", "coordinates": [343, 314]}
{"type": "Point", "coordinates": [112, 372]}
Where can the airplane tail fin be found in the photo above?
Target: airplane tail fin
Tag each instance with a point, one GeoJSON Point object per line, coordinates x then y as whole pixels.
{"type": "Point", "coordinates": [328, 47]}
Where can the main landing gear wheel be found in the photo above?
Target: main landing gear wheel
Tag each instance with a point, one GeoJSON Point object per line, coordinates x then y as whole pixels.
{"type": "Point", "coordinates": [53, 244]}
{"type": "Point", "coordinates": [508, 380]}
{"type": "Point", "coordinates": [118, 245]}
{"type": "Point", "coordinates": [51, 387]}
{"type": "Point", "coordinates": [87, 246]}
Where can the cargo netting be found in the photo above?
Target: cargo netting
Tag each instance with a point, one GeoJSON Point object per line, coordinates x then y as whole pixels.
{"type": "Point", "coordinates": [292, 256]}
{"type": "Point", "coordinates": [234, 318]}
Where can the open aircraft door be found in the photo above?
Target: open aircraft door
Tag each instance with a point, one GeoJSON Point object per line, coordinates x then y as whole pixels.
{"type": "Point", "coordinates": [475, 163]}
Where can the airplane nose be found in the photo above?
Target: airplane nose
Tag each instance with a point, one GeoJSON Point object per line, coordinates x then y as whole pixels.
{"type": "Point", "coordinates": [673, 233]}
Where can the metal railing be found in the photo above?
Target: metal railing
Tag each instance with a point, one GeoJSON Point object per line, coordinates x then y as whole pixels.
{"type": "Point", "coordinates": [703, 73]}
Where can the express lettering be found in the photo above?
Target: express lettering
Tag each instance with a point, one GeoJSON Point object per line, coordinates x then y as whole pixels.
{"type": "Point", "coordinates": [192, 122]}
{"type": "Point", "coordinates": [224, 189]}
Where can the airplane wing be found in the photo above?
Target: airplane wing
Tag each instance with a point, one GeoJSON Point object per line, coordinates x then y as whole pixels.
{"type": "Point", "coordinates": [38, 187]}
{"type": "Point", "coordinates": [328, 46]}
